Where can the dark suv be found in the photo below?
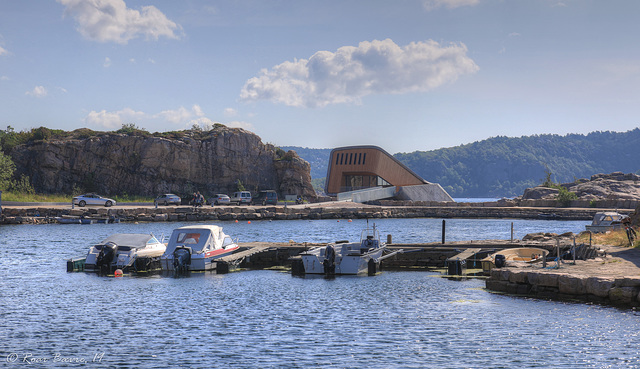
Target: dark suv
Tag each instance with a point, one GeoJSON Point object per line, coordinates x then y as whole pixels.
{"type": "Point", "coordinates": [265, 197]}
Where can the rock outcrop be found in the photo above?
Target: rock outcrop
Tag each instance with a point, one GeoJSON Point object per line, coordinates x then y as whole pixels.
{"type": "Point", "coordinates": [614, 186]}
{"type": "Point", "coordinates": [179, 162]}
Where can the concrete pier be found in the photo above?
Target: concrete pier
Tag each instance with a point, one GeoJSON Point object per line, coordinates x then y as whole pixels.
{"type": "Point", "coordinates": [13, 214]}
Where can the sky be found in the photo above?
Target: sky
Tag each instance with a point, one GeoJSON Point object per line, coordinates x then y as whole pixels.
{"type": "Point", "coordinates": [404, 75]}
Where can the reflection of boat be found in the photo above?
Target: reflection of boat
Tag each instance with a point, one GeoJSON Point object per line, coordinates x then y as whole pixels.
{"type": "Point", "coordinates": [347, 258]}
{"type": "Point", "coordinates": [605, 221]}
{"type": "Point", "coordinates": [125, 251]}
{"type": "Point", "coordinates": [196, 248]}
{"type": "Point", "coordinates": [520, 254]}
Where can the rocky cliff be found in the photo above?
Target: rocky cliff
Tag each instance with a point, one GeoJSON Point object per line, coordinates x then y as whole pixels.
{"type": "Point", "coordinates": [614, 186]}
{"type": "Point", "coordinates": [144, 164]}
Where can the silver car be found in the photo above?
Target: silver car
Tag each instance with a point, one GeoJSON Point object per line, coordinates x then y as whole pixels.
{"type": "Point", "coordinates": [93, 199]}
{"type": "Point", "coordinates": [168, 199]}
{"type": "Point", "coordinates": [220, 199]}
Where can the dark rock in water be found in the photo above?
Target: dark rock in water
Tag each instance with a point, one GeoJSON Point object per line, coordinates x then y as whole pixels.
{"type": "Point", "coordinates": [181, 162]}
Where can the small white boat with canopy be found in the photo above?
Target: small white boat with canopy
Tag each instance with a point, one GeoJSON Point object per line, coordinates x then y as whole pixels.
{"type": "Point", "coordinates": [130, 252]}
{"type": "Point", "coordinates": [196, 248]}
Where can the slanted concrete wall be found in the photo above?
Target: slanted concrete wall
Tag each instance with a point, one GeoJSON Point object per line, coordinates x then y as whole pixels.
{"type": "Point", "coordinates": [425, 192]}
{"type": "Point", "coordinates": [369, 194]}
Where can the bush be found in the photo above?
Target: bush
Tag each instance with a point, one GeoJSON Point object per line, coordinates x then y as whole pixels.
{"type": "Point", "coordinates": [565, 196]}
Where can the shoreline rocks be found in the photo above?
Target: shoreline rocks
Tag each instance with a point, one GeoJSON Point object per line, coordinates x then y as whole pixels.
{"type": "Point", "coordinates": [621, 291]}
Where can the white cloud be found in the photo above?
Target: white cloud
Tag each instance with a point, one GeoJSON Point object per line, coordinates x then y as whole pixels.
{"type": "Point", "coordinates": [114, 120]}
{"type": "Point", "coordinates": [450, 4]}
{"type": "Point", "coordinates": [182, 117]}
{"type": "Point", "coordinates": [3, 51]}
{"type": "Point", "coordinates": [240, 124]}
{"type": "Point", "coordinates": [354, 72]}
{"type": "Point", "coordinates": [107, 62]}
{"type": "Point", "coordinates": [38, 91]}
{"type": "Point", "coordinates": [230, 112]}
{"type": "Point", "coordinates": [178, 116]}
{"type": "Point", "coordinates": [4, 78]}
{"type": "Point", "coordinates": [112, 21]}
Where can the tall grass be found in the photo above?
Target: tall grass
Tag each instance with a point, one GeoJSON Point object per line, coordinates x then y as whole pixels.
{"type": "Point", "coordinates": [39, 197]}
{"type": "Point", "coordinates": [616, 237]}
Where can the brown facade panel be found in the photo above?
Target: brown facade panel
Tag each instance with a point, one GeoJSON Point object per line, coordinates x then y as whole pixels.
{"type": "Point", "coordinates": [356, 167]}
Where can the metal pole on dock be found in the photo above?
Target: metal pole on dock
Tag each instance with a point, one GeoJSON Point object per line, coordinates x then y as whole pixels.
{"type": "Point", "coordinates": [443, 231]}
{"type": "Point", "coordinates": [511, 232]}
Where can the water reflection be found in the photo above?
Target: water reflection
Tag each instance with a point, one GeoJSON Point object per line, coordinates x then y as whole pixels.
{"type": "Point", "coordinates": [259, 319]}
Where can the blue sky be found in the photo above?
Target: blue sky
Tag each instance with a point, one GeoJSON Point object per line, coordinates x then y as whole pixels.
{"type": "Point", "coordinates": [404, 75]}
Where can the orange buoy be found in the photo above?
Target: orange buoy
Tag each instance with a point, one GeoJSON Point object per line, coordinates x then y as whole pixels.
{"type": "Point", "coordinates": [350, 220]}
{"type": "Point", "coordinates": [236, 220]}
{"type": "Point", "coordinates": [117, 273]}
{"type": "Point", "coordinates": [249, 222]}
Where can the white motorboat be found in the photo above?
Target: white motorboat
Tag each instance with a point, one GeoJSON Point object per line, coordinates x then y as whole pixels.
{"type": "Point", "coordinates": [604, 221]}
{"type": "Point", "coordinates": [125, 251]}
{"type": "Point", "coordinates": [196, 248]}
{"type": "Point", "coordinates": [343, 257]}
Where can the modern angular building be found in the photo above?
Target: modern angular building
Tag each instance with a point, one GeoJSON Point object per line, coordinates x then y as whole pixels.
{"type": "Point", "coordinates": [365, 173]}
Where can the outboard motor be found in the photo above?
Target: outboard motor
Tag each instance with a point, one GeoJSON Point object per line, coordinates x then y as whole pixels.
{"type": "Point", "coordinates": [500, 261]}
{"type": "Point", "coordinates": [106, 256]}
{"type": "Point", "coordinates": [181, 260]}
{"type": "Point", "coordinates": [329, 262]}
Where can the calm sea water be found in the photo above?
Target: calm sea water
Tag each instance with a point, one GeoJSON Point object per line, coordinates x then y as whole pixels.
{"type": "Point", "coordinates": [269, 319]}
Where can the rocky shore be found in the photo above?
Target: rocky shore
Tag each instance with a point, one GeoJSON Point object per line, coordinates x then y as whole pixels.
{"type": "Point", "coordinates": [612, 278]}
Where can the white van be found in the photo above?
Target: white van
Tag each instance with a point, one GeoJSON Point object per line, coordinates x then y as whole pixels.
{"type": "Point", "coordinates": [241, 197]}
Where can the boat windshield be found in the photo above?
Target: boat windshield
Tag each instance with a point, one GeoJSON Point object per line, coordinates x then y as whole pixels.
{"type": "Point", "coordinates": [193, 238]}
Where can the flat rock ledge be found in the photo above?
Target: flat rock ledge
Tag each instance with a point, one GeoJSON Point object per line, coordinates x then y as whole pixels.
{"type": "Point", "coordinates": [621, 291]}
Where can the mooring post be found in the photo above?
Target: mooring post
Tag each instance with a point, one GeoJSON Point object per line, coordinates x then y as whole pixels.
{"type": "Point", "coordinates": [511, 232]}
{"type": "Point", "coordinates": [443, 231]}
{"type": "Point", "coordinates": [389, 239]}
{"type": "Point", "coordinates": [558, 246]}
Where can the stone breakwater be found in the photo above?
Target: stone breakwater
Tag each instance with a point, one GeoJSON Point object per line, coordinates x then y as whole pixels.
{"type": "Point", "coordinates": [557, 285]}
{"type": "Point", "coordinates": [19, 215]}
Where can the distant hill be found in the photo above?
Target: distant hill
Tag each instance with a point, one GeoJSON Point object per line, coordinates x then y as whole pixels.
{"type": "Point", "coordinates": [505, 166]}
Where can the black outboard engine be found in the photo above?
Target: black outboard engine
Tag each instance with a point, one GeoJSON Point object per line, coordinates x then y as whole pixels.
{"type": "Point", "coordinates": [181, 260]}
{"type": "Point", "coordinates": [106, 256]}
{"type": "Point", "coordinates": [329, 262]}
{"type": "Point", "coordinates": [500, 261]}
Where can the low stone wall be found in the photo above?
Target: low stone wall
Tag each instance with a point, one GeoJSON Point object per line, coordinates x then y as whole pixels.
{"type": "Point", "coordinates": [594, 204]}
{"type": "Point", "coordinates": [244, 213]}
{"type": "Point", "coordinates": [622, 291]}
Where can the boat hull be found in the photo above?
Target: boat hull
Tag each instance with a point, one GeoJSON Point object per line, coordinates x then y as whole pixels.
{"type": "Point", "coordinates": [345, 264]}
{"type": "Point", "coordinates": [199, 262]}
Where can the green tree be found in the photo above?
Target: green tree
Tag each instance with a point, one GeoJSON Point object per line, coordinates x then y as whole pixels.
{"type": "Point", "coordinates": [7, 167]}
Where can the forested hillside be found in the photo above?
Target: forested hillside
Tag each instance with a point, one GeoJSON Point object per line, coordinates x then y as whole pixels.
{"type": "Point", "coordinates": [504, 166]}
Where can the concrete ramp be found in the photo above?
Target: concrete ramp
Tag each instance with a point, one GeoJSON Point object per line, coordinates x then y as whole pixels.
{"type": "Point", "coordinates": [368, 194]}
{"type": "Point", "coordinates": [425, 192]}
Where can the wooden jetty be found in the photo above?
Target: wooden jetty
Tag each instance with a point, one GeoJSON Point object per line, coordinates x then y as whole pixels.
{"type": "Point", "coordinates": [424, 256]}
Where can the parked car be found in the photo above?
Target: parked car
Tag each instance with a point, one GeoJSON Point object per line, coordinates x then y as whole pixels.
{"type": "Point", "coordinates": [265, 197]}
{"type": "Point", "coordinates": [241, 197]}
{"type": "Point", "coordinates": [168, 199]}
{"type": "Point", "coordinates": [220, 199]}
{"type": "Point", "coordinates": [93, 199]}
